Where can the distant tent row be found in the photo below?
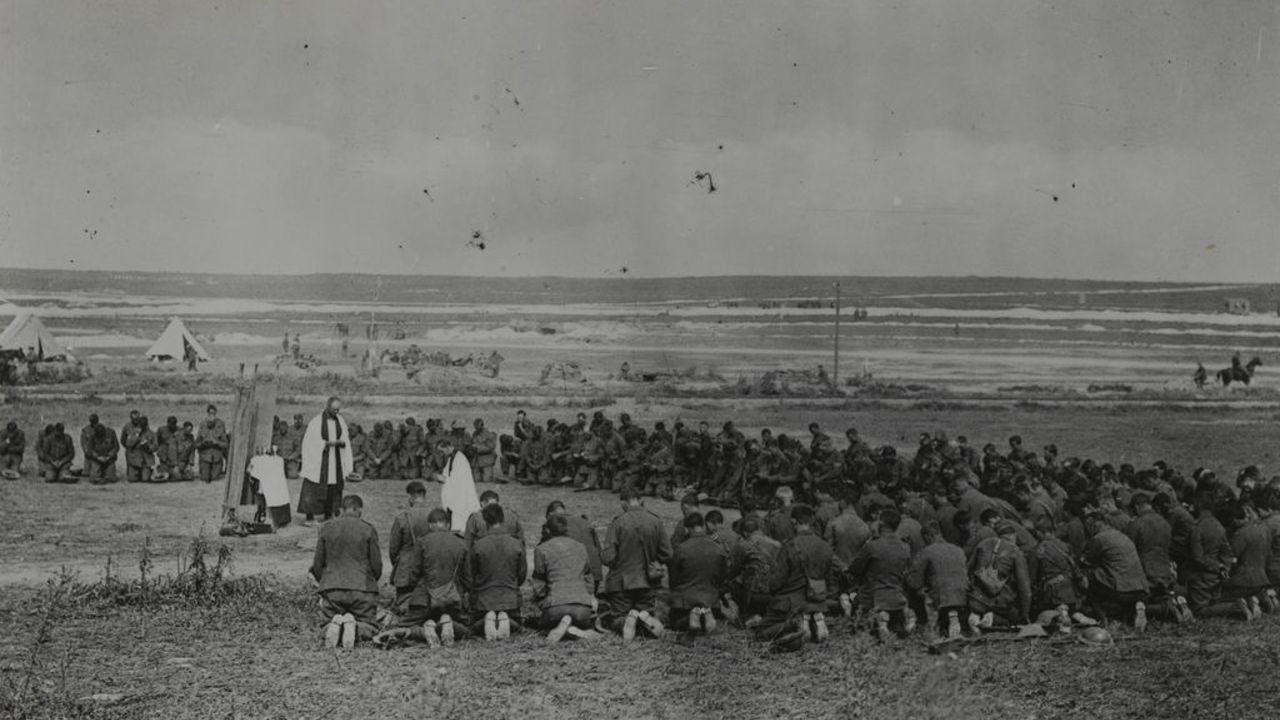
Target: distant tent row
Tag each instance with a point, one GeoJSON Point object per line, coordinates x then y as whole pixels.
{"type": "Point", "coordinates": [174, 343]}
{"type": "Point", "coordinates": [26, 335]}
{"type": "Point", "coordinates": [28, 338]}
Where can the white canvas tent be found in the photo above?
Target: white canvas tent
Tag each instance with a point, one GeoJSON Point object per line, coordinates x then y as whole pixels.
{"type": "Point", "coordinates": [173, 343]}
{"type": "Point", "coordinates": [26, 332]}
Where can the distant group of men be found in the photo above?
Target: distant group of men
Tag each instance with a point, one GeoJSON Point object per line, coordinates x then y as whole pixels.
{"type": "Point", "coordinates": [172, 452]}
{"type": "Point", "coordinates": [589, 454]}
{"type": "Point", "coordinates": [954, 541]}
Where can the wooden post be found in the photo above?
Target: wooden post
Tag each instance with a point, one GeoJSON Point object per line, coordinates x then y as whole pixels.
{"type": "Point", "coordinates": [250, 433]}
{"type": "Point", "coordinates": [835, 369]}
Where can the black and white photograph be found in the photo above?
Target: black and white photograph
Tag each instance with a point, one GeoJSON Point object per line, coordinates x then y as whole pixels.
{"type": "Point", "coordinates": [893, 359]}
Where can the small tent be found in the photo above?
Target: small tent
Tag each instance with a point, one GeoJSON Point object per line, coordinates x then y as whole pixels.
{"type": "Point", "coordinates": [26, 332]}
{"type": "Point", "coordinates": [173, 343]}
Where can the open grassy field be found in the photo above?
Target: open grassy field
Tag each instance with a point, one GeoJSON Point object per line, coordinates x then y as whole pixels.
{"type": "Point", "coordinates": [257, 653]}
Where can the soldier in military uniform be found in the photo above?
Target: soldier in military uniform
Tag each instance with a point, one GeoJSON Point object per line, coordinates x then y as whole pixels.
{"type": "Point", "coordinates": [636, 550]}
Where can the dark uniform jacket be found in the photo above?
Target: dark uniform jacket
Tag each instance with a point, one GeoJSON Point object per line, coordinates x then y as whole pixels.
{"type": "Point", "coordinates": [634, 539]}
{"type": "Point", "coordinates": [1184, 542]}
{"type": "Point", "coordinates": [974, 503]}
{"type": "Point", "coordinates": [1002, 553]}
{"type": "Point", "coordinates": [438, 559]}
{"type": "Point", "coordinates": [359, 448]}
{"type": "Point", "coordinates": [726, 538]}
{"type": "Point", "coordinates": [1152, 535]}
{"type": "Point", "coordinates": [581, 530]}
{"type": "Point", "coordinates": [1251, 545]}
{"type": "Point", "coordinates": [1053, 574]}
{"type": "Point", "coordinates": [942, 573]}
{"type": "Point", "coordinates": [165, 438]}
{"type": "Point", "coordinates": [881, 568]}
{"type": "Point", "coordinates": [184, 447]}
{"type": "Point", "coordinates": [752, 563]}
{"type": "Point", "coordinates": [1073, 532]}
{"type": "Point", "coordinates": [212, 442]}
{"type": "Point", "coordinates": [562, 573]}
{"type": "Point", "coordinates": [103, 446]}
{"type": "Point", "coordinates": [478, 528]}
{"type": "Point", "coordinates": [484, 446]}
{"type": "Point", "coordinates": [290, 445]}
{"type": "Point", "coordinates": [12, 442]}
{"type": "Point", "coordinates": [139, 446]}
{"type": "Point", "coordinates": [59, 449]}
{"type": "Point", "coordinates": [412, 441]}
{"type": "Point", "coordinates": [823, 514]}
{"type": "Point", "coordinates": [699, 569]}
{"type": "Point", "coordinates": [405, 527]}
{"type": "Point", "coordinates": [498, 569]}
{"type": "Point", "coordinates": [789, 588]}
{"type": "Point", "coordinates": [380, 446]}
{"type": "Point", "coordinates": [1212, 554]}
{"type": "Point", "coordinates": [847, 533]}
{"type": "Point", "coordinates": [347, 556]}
{"type": "Point", "coordinates": [1272, 523]}
{"type": "Point", "coordinates": [1041, 507]}
{"type": "Point", "coordinates": [946, 515]}
{"type": "Point", "coordinates": [86, 439]}
{"type": "Point", "coordinates": [778, 524]}
{"type": "Point", "coordinates": [535, 454]}
{"type": "Point", "coordinates": [1112, 560]}
{"type": "Point", "coordinates": [817, 560]}
{"type": "Point", "coordinates": [909, 530]}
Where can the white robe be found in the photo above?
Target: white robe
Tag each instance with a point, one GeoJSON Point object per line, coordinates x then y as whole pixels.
{"type": "Point", "coordinates": [268, 470]}
{"type": "Point", "coordinates": [313, 452]}
{"type": "Point", "coordinates": [459, 492]}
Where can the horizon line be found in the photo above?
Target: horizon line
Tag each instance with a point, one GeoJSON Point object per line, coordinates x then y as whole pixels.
{"type": "Point", "coordinates": [627, 277]}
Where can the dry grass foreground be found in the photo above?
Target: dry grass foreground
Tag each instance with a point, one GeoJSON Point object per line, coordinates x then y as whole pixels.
{"type": "Point", "coordinates": [208, 647]}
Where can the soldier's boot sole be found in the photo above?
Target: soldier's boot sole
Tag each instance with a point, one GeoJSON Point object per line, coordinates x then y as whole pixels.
{"type": "Point", "coordinates": [558, 632]}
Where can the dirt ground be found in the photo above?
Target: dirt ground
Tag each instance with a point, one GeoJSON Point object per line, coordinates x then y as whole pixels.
{"type": "Point", "coordinates": [264, 659]}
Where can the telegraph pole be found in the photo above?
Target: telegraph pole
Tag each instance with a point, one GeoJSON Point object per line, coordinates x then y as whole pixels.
{"type": "Point", "coordinates": [835, 368]}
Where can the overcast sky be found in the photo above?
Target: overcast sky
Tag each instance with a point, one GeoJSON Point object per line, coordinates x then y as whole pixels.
{"type": "Point", "coordinates": [1106, 139]}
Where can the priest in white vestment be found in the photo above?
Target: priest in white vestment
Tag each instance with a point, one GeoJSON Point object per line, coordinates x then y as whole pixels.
{"type": "Point", "coordinates": [458, 496]}
{"type": "Point", "coordinates": [326, 460]}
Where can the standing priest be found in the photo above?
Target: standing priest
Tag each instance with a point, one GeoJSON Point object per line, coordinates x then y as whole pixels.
{"type": "Point", "coordinates": [326, 460]}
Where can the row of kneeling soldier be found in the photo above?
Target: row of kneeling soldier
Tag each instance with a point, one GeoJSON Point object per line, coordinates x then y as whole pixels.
{"type": "Point", "coordinates": [798, 572]}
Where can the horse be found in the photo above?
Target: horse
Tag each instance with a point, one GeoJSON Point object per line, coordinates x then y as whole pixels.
{"type": "Point", "coordinates": [1235, 373]}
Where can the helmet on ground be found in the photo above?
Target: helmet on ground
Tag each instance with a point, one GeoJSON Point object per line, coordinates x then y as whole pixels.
{"type": "Point", "coordinates": [1096, 636]}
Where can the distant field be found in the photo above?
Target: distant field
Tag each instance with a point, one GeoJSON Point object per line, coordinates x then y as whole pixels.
{"type": "Point", "coordinates": [967, 335]}
{"type": "Point", "coordinates": [965, 291]}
